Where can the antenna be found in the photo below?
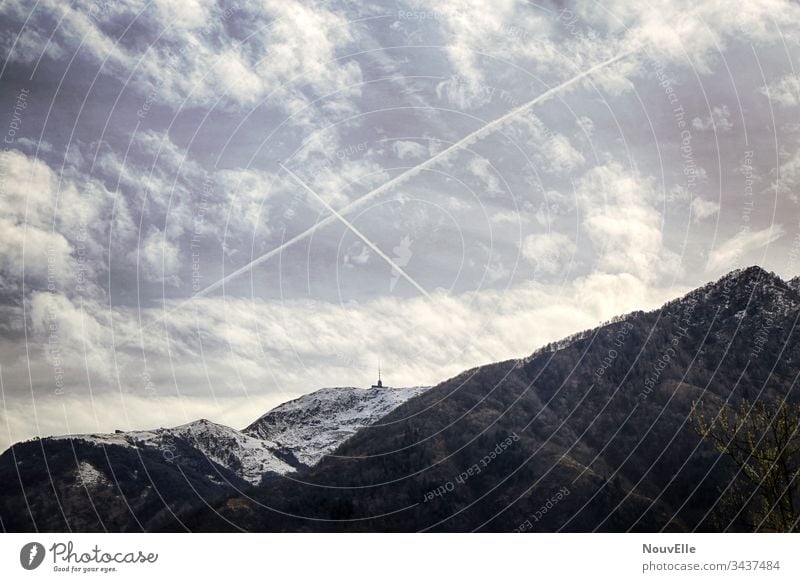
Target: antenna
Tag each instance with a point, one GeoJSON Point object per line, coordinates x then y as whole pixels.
{"type": "Point", "coordinates": [380, 383]}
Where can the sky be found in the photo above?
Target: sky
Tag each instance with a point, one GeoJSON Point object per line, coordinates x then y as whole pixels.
{"type": "Point", "coordinates": [209, 207]}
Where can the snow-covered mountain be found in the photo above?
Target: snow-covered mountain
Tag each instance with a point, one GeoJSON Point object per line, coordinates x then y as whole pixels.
{"type": "Point", "coordinates": [247, 457]}
{"type": "Point", "coordinates": [313, 425]}
{"type": "Point", "coordinates": [294, 435]}
{"type": "Point", "coordinates": [143, 480]}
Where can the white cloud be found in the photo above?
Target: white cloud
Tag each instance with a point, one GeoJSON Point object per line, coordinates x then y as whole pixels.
{"type": "Point", "coordinates": [357, 255]}
{"type": "Point", "coordinates": [482, 169]}
{"type": "Point", "coordinates": [507, 217]}
{"type": "Point", "coordinates": [549, 252]}
{"type": "Point", "coordinates": [197, 57]}
{"type": "Point", "coordinates": [159, 259]}
{"type": "Point", "coordinates": [44, 219]}
{"type": "Point", "coordinates": [702, 209]}
{"type": "Point", "coordinates": [622, 224]}
{"type": "Point", "coordinates": [718, 120]}
{"type": "Point", "coordinates": [586, 125]}
{"type": "Point", "coordinates": [785, 91]}
{"type": "Point", "coordinates": [71, 335]}
{"type": "Point", "coordinates": [677, 31]}
{"type": "Point", "coordinates": [733, 251]}
{"type": "Point", "coordinates": [464, 94]}
{"type": "Point", "coordinates": [469, 25]}
{"type": "Point", "coordinates": [246, 193]}
{"type": "Point", "coordinates": [685, 35]}
{"type": "Point", "coordinates": [787, 176]}
{"type": "Point", "coordinates": [406, 150]}
{"type": "Point", "coordinates": [561, 155]}
{"type": "Point", "coordinates": [554, 152]}
{"type": "Point", "coordinates": [60, 222]}
{"type": "Point", "coordinates": [554, 204]}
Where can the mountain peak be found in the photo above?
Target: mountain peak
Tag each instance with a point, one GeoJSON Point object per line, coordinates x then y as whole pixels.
{"type": "Point", "coordinates": [751, 273]}
{"type": "Point", "coordinates": [316, 423]}
{"type": "Point", "coordinates": [742, 287]}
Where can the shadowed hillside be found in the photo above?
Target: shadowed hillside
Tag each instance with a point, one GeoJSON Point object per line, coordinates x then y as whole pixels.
{"type": "Point", "coordinates": [594, 433]}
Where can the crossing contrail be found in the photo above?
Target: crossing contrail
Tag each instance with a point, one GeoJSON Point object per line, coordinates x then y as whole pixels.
{"type": "Point", "coordinates": [357, 232]}
{"type": "Point", "coordinates": [402, 177]}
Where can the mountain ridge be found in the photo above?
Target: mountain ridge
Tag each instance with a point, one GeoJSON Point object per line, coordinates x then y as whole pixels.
{"type": "Point", "coordinates": [604, 415]}
{"type": "Point", "coordinates": [607, 415]}
{"type": "Point", "coordinates": [151, 471]}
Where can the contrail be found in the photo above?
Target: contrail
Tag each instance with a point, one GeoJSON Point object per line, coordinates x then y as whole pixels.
{"type": "Point", "coordinates": [357, 232]}
{"type": "Point", "coordinates": [400, 178]}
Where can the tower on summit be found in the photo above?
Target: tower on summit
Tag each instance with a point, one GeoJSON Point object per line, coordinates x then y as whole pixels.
{"type": "Point", "coordinates": [380, 383]}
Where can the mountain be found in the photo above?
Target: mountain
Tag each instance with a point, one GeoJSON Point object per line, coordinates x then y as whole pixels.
{"type": "Point", "coordinates": [249, 458]}
{"type": "Point", "coordinates": [314, 425]}
{"type": "Point", "coordinates": [592, 433]}
{"type": "Point", "coordinates": [127, 481]}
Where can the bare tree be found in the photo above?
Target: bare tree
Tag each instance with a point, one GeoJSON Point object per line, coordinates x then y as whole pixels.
{"type": "Point", "coordinates": [763, 440]}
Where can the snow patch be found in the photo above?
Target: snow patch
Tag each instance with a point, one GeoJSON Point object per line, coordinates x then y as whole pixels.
{"type": "Point", "coordinates": [89, 476]}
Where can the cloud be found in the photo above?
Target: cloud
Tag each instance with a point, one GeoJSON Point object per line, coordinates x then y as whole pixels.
{"type": "Point", "coordinates": [406, 150]}
{"type": "Point", "coordinates": [356, 255]}
{"type": "Point", "coordinates": [733, 251]}
{"type": "Point", "coordinates": [159, 259]}
{"type": "Point", "coordinates": [57, 224]}
{"type": "Point", "coordinates": [785, 91]}
{"type": "Point", "coordinates": [555, 204]}
{"type": "Point", "coordinates": [469, 25]}
{"type": "Point", "coordinates": [48, 224]}
{"type": "Point", "coordinates": [586, 125]}
{"type": "Point", "coordinates": [464, 94]}
{"type": "Point", "coordinates": [623, 225]}
{"type": "Point", "coordinates": [246, 194]}
{"type": "Point", "coordinates": [550, 253]}
{"type": "Point", "coordinates": [201, 51]}
{"type": "Point", "coordinates": [486, 173]}
{"type": "Point", "coordinates": [554, 152]}
{"type": "Point", "coordinates": [70, 335]}
{"type": "Point", "coordinates": [677, 31]}
{"type": "Point", "coordinates": [507, 217]}
{"type": "Point", "coordinates": [718, 120]}
{"type": "Point", "coordinates": [560, 154]}
{"type": "Point", "coordinates": [165, 208]}
{"type": "Point", "coordinates": [702, 209]}
{"type": "Point", "coordinates": [489, 47]}
{"type": "Point", "coordinates": [679, 35]}
{"type": "Point", "coordinates": [787, 176]}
